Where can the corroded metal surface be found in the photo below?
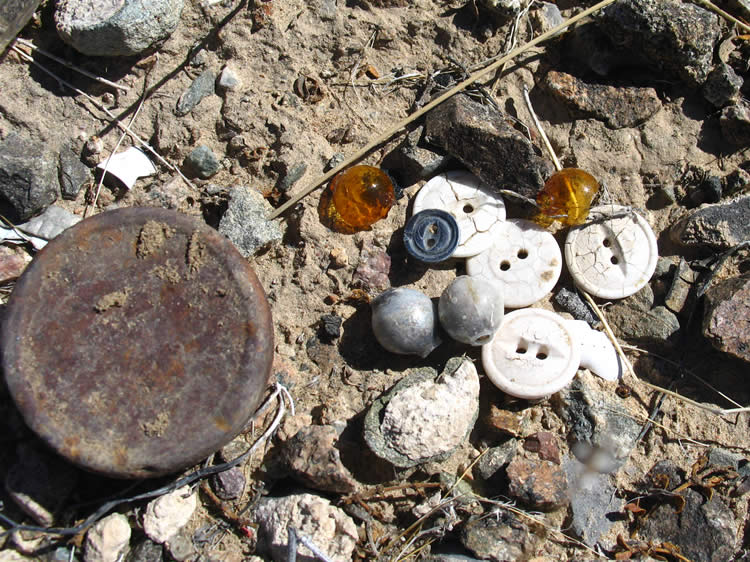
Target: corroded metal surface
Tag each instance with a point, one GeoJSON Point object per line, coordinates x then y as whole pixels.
{"type": "Point", "coordinates": [138, 342]}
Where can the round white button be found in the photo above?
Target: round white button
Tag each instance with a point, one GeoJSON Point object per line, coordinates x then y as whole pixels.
{"type": "Point", "coordinates": [612, 258]}
{"type": "Point", "coordinates": [476, 209]}
{"type": "Point", "coordinates": [532, 355]}
{"type": "Point", "coordinates": [524, 259]}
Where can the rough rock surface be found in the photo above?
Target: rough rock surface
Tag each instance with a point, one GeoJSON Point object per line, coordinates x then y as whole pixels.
{"type": "Point", "coordinates": [667, 36]}
{"type": "Point", "coordinates": [116, 27]}
{"type": "Point", "coordinates": [725, 320]}
{"type": "Point", "coordinates": [735, 123]}
{"type": "Point", "coordinates": [230, 484]}
{"type": "Point", "coordinates": [312, 457]}
{"type": "Point", "coordinates": [483, 140]}
{"type": "Point", "coordinates": [202, 162]}
{"type": "Point", "coordinates": [617, 106]}
{"type": "Point", "coordinates": [28, 176]}
{"type": "Point", "coordinates": [202, 87]}
{"type": "Point", "coordinates": [601, 431]}
{"type": "Point", "coordinates": [108, 539]}
{"type": "Point", "coordinates": [722, 86]}
{"type": "Point", "coordinates": [592, 500]}
{"type": "Point", "coordinates": [73, 174]}
{"type": "Point", "coordinates": [166, 515]}
{"type": "Point", "coordinates": [327, 526]}
{"type": "Point", "coordinates": [499, 537]}
{"type": "Point", "coordinates": [245, 223]}
{"type": "Point", "coordinates": [423, 418]}
{"type": "Point", "coordinates": [537, 484]}
{"type": "Point", "coordinates": [719, 226]}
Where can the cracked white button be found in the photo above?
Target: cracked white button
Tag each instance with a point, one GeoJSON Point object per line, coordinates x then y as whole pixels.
{"type": "Point", "coordinates": [598, 355]}
{"type": "Point", "coordinates": [524, 259]}
{"type": "Point", "coordinates": [612, 258]}
{"type": "Point", "coordinates": [532, 355]}
{"type": "Point", "coordinates": [476, 209]}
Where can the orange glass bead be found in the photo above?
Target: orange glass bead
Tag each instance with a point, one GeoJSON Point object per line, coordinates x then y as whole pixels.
{"type": "Point", "coordinates": [362, 195]}
{"type": "Point", "coordinates": [566, 196]}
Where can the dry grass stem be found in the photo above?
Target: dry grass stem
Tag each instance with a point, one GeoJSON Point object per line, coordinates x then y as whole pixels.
{"type": "Point", "coordinates": [727, 16]}
{"type": "Point", "coordinates": [70, 65]}
{"type": "Point", "coordinates": [539, 128]}
{"type": "Point", "coordinates": [434, 103]}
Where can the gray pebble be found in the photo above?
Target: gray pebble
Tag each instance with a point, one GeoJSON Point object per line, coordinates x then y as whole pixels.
{"type": "Point", "coordinates": [202, 162]}
{"type": "Point", "coordinates": [245, 222]}
{"type": "Point", "coordinates": [73, 174]}
{"type": "Point", "coordinates": [202, 86]}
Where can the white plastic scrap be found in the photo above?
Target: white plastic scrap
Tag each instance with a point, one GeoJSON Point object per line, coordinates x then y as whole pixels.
{"type": "Point", "coordinates": [598, 355]}
{"type": "Point", "coordinates": [128, 166]}
{"type": "Point", "coordinates": [39, 230]}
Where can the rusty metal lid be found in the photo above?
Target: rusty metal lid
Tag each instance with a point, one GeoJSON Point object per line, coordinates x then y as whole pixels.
{"type": "Point", "coordinates": [138, 342]}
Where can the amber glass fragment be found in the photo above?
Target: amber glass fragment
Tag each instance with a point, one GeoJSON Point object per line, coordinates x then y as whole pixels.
{"type": "Point", "coordinates": [362, 195]}
{"type": "Point", "coordinates": [566, 196]}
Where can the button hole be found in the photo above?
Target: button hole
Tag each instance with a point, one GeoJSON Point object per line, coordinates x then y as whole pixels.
{"type": "Point", "coordinates": [430, 242]}
{"type": "Point", "coordinates": [468, 208]}
{"type": "Point", "coordinates": [541, 356]}
{"type": "Point", "coordinates": [523, 254]}
{"type": "Point", "coordinates": [521, 350]}
{"type": "Point", "coordinates": [614, 260]}
{"type": "Point", "coordinates": [607, 243]}
{"type": "Point", "coordinates": [505, 265]}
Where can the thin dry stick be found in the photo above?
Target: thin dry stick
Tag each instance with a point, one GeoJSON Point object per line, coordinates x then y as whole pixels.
{"type": "Point", "coordinates": [114, 151]}
{"type": "Point", "coordinates": [70, 65]}
{"type": "Point", "coordinates": [539, 128]}
{"type": "Point", "coordinates": [727, 16]}
{"type": "Point", "coordinates": [434, 103]}
{"type": "Point", "coordinates": [111, 115]}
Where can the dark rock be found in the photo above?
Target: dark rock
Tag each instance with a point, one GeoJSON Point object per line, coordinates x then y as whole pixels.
{"type": "Point", "coordinates": [201, 87]}
{"type": "Point", "coordinates": [592, 499]}
{"type": "Point", "coordinates": [73, 174]}
{"type": "Point", "coordinates": [589, 48]}
{"type": "Point", "coordinates": [132, 28]}
{"type": "Point", "coordinates": [736, 182]}
{"type": "Point", "coordinates": [538, 485]}
{"type": "Point", "coordinates": [712, 189]}
{"type": "Point", "coordinates": [740, 7]}
{"type": "Point", "coordinates": [499, 537]}
{"type": "Point", "coordinates": [571, 302]}
{"type": "Point", "coordinates": [719, 226]}
{"type": "Point", "coordinates": [664, 475]}
{"type": "Point", "coordinates": [145, 551]}
{"type": "Point", "coordinates": [722, 86]}
{"type": "Point", "coordinates": [330, 327]}
{"type": "Point", "coordinates": [373, 268]}
{"type": "Point", "coordinates": [601, 431]}
{"type": "Point", "coordinates": [545, 444]}
{"type": "Point", "coordinates": [323, 355]}
{"type": "Point", "coordinates": [202, 162]}
{"type": "Point", "coordinates": [313, 458]}
{"type": "Point", "coordinates": [505, 422]}
{"type": "Point", "coordinates": [703, 530]}
{"type": "Point", "coordinates": [230, 484]}
{"type": "Point", "coordinates": [409, 162]}
{"type": "Point", "coordinates": [679, 291]}
{"type": "Point", "coordinates": [481, 138]}
{"type": "Point", "coordinates": [290, 176]}
{"type": "Point", "coordinates": [633, 319]}
{"type": "Point", "coordinates": [28, 176]}
{"type": "Point", "coordinates": [669, 37]}
{"type": "Point", "coordinates": [495, 459]}
{"type": "Point", "coordinates": [735, 124]}
{"type": "Point", "coordinates": [39, 483]}
{"type": "Point", "coordinates": [245, 222]}
{"type": "Point", "coordinates": [618, 107]}
{"type": "Point", "coordinates": [725, 322]}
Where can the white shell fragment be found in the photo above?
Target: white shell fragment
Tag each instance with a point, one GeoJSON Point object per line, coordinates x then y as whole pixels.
{"type": "Point", "coordinates": [612, 258]}
{"type": "Point", "coordinates": [598, 355]}
{"type": "Point", "coordinates": [525, 259]}
{"type": "Point", "coordinates": [128, 166]}
{"type": "Point", "coordinates": [476, 209]}
{"type": "Point", "coordinates": [533, 354]}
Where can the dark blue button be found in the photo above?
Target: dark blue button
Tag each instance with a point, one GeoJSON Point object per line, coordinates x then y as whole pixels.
{"type": "Point", "coordinates": [431, 235]}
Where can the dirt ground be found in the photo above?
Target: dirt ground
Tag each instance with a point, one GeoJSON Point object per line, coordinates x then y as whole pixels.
{"type": "Point", "coordinates": [357, 52]}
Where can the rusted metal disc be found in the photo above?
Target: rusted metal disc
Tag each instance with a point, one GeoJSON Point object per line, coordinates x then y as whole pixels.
{"type": "Point", "coordinates": [138, 342]}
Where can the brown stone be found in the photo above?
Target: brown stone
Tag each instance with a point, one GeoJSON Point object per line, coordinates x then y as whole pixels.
{"type": "Point", "coordinates": [12, 263]}
{"type": "Point", "coordinates": [544, 443]}
{"type": "Point", "coordinates": [618, 107]}
{"type": "Point", "coordinates": [312, 457]}
{"type": "Point", "coordinates": [725, 320]}
{"type": "Point", "coordinates": [504, 421]}
{"type": "Point", "coordinates": [539, 485]}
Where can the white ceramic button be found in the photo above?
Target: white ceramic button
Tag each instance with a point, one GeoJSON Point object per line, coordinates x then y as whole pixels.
{"type": "Point", "coordinates": [598, 355]}
{"type": "Point", "coordinates": [612, 258]}
{"type": "Point", "coordinates": [532, 355]}
{"type": "Point", "coordinates": [524, 259]}
{"type": "Point", "coordinates": [476, 209]}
